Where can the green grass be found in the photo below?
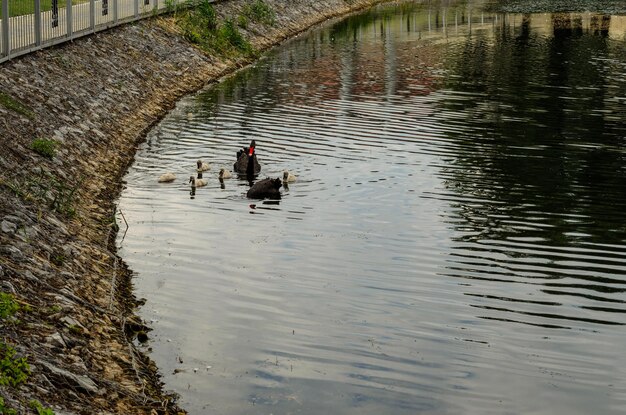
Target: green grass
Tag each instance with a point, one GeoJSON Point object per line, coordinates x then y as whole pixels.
{"type": "Point", "coordinates": [44, 147]}
{"type": "Point", "coordinates": [230, 33]}
{"type": "Point", "coordinates": [12, 104]}
{"type": "Point", "coordinates": [202, 27]}
{"type": "Point", "coordinates": [261, 12]}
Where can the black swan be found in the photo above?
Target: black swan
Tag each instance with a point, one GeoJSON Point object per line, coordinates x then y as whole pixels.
{"type": "Point", "coordinates": [247, 162]}
{"type": "Point", "coordinates": [265, 189]}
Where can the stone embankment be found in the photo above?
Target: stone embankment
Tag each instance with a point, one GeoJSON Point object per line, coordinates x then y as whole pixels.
{"type": "Point", "coordinates": [96, 98]}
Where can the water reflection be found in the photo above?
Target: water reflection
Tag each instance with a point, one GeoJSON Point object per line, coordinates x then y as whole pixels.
{"type": "Point", "coordinates": [454, 242]}
{"type": "Point", "coordinates": [549, 170]}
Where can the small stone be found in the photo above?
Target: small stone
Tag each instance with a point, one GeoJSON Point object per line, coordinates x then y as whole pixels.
{"type": "Point", "coordinates": [13, 252]}
{"type": "Point", "coordinates": [7, 286]}
{"type": "Point", "coordinates": [8, 227]}
{"type": "Point", "coordinates": [69, 321]}
{"type": "Point", "coordinates": [30, 276]}
{"type": "Point", "coordinates": [78, 381]}
{"type": "Point", "coordinates": [12, 218]}
{"type": "Point", "coordinates": [56, 340]}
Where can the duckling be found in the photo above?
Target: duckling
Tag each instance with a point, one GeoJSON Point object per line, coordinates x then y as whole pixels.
{"type": "Point", "coordinates": [197, 182]}
{"type": "Point", "coordinates": [288, 177]}
{"type": "Point", "coordinates": [167, 178]}
{"type": "Point", "coordinates": [225, 174]}
{"type": "Point", "coordinates": [202, 166]}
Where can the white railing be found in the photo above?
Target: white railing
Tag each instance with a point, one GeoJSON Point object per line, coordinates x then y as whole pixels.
{"type": "Point", "coordinates": [29, 32]}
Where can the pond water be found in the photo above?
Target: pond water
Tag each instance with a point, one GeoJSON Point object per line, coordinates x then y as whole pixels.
{"type": "Point", "coordinates": [455, 242]}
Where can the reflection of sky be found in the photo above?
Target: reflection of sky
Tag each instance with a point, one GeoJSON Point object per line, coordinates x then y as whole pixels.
{"type": "Point", "coordinates": [360, 292]}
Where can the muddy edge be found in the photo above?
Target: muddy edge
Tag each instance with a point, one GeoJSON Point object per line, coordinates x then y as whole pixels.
{"type": "Point", "coordinates": [97, 97]}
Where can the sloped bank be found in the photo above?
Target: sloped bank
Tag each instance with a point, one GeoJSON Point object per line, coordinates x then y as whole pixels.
{"type": "Point", "coordinates": [96, 98]}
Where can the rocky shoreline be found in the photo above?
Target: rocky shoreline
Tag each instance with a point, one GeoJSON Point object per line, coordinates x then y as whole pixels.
{"type": "Point", "coordinates": [96, 98]}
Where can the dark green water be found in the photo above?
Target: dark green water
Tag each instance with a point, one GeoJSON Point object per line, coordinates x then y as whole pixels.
{"type": "Point", "coordinates": [455, 242]}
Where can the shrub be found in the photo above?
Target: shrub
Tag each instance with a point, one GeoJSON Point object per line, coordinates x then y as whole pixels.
{"type": "Point", "coordinates": [4, 410]}
{"type": "Point", "coordinates": [8, 306]}
{"type": "Point", "coordinates": [37, 406]}
{"type": "Point", "coordinates": [13, 371]}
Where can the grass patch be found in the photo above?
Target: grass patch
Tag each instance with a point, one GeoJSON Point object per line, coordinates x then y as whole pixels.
{"type": "Point", "coordinates": [231, 34]}
{"type": "Point", "coordinates": [58, 195]}
{"type": "Point", "coordinates": [8, 306]}
{"type": "Point", "coordinates": [12, 104]}
{"type": "Point", "coordinates": [202, 26]}
{"type": "Point", "coordinates": [242, 21]}
{"type": "Point", "coordinates": [44, 147]}
{"type": "Point", "coordinates": [261, 12]}
{"type": "Point", "coordinates": [13, 371]}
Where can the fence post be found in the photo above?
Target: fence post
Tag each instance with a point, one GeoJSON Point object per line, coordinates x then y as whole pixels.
{"type": "Point", "coordinates": [136, 8]}
{"type": "Point", "coordinates": [5, 28]}
{"type": "Point", "coordinates": [68, 17]}
{"type": "Point", "coordinates": [37, 22]}
{"type": "Point", "coordinates": [115, 2]}
{"type": "Point", "coordinates": [92, 15]}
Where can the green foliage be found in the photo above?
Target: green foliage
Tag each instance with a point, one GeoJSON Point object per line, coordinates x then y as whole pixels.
{"type": "Point", "coordinates": [13, 371]}
{"type": "Point", "coordinates": [37, 406]}
{"type": "Point", "coordinates": [242, 21]}
{"type": "Point", "coordinates": [8, 306]}
{"type": "Point", "coordinates": [201, 27]}
{"type": "Point", "coordinates": [171, 6]}
{"type": "Point", "coordinates": [191, 34]}
{"type": "Point", "coordinates": [14, 105]}
{"type": "Point", "coordinates": [208, 15]}
{"type": "Point", "coordinates": [261, 12]}
{"type": "Point", "coordinates": [231, 34]}
{"type": "Point", "coordinates": [44, 147]}
{"type": "Point", "coordinates": [4, 410]}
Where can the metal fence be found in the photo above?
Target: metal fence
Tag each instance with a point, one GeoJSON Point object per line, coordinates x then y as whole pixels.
{"type": "Point", "coordinates": [29, 25]}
